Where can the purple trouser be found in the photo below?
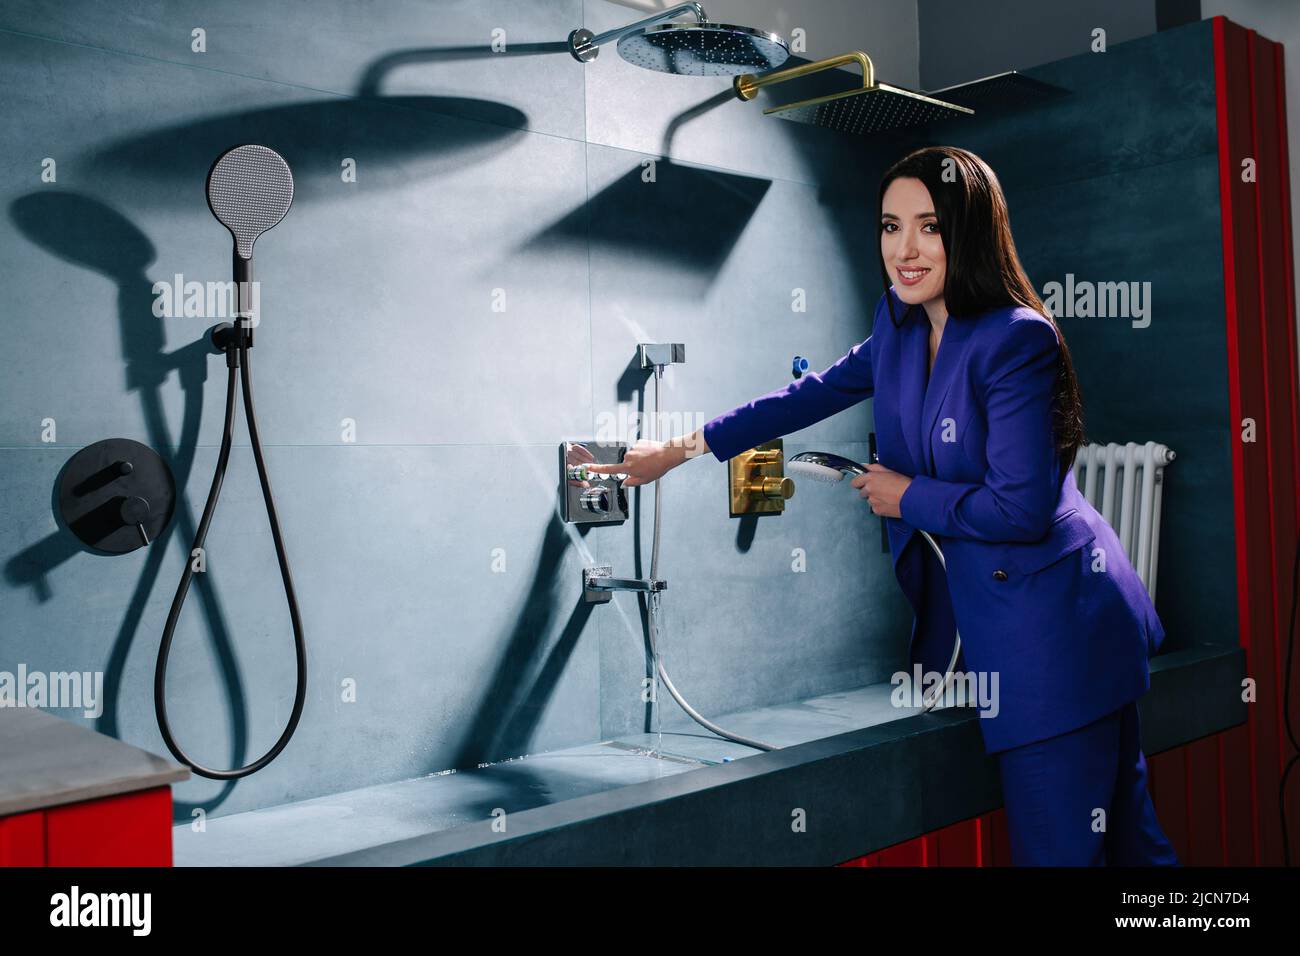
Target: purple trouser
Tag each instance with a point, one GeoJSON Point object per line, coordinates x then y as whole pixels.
{"type": "Point", "coordinates": [1080, 798]}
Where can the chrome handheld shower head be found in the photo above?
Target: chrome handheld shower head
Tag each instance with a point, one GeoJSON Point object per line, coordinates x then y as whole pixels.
{"type": "Point", "coordinates": [824, 466]}
{"type": "Point", "coordinates": [250, 189]}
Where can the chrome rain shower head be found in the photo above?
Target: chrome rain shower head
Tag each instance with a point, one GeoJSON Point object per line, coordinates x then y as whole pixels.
{"type": "Point", "coordinates": [872, 108]}
{"type": "Point", "coordinates": [250, 189]}
{"type": "Point", "coordinates": [687, 49]}
{"type": "Point", "coordinates": [703, 49]}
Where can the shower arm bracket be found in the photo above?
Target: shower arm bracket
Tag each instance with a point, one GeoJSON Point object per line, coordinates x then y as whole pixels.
{"type": "Point", "coordinates": [747, 85]}
{"type": "Point", "coordinates": [585, 45]}
{"type": "Point", "coordinates": [228, 337]}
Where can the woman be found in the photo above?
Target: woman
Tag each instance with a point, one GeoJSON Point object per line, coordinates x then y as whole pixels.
{"type": "Point", "coordinates": [978, 418]}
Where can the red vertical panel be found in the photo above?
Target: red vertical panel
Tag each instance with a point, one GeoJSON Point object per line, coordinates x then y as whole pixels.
{"type": "Point", "coordinates": [1287, 273]}
{"type": "Point", "coordinates": [1168, 787]}
{"type": "Point", "coordinates": [1246, 365]}
{"type": "Point", "coordinates": [22, 839]}
{"type": "Point", "coordinates": [1238, 790]}
{"type": "Point", "coordinates": [957, 845]}
{"type": "Point", "coordinates": [133, 829]}
{"type": "Point", "coordinates": [1240, 796]}
{"type": "Point", "coordinates": [967, 843]}
{"type": "Point", "coordinates": [908, 853]}
{"type": "Point", "coordinates": [999, 839]}
{"type": "Point", "coordinates": [1274, 320]}
{"type": "Point", "coordinates": [1278, 364]}
{"type": "Point", "coordinates": [1201, 794]}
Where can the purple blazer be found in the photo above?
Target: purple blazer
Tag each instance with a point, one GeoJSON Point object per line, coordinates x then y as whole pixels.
{"type": "Point", "coordinates": [1037, 582]}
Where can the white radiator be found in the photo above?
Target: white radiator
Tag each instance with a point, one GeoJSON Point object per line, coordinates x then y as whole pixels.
{"type": "Point", "coordinates": [1111, 473]}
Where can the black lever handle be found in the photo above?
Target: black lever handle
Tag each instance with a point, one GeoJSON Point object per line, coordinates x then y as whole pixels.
{"type": "Point", "coordinates": [135, 511]}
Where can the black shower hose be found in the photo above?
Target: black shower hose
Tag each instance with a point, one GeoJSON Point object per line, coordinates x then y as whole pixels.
{"type": "Point", "coordinates": [235, 356]}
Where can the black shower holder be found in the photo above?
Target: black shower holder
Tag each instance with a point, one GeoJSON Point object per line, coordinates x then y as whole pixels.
{"type": "Point", "coordinates": [230, 337]}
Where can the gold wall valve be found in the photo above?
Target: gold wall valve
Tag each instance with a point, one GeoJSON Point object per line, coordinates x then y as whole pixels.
{"type": "Point", "coordinates": [756, 480]}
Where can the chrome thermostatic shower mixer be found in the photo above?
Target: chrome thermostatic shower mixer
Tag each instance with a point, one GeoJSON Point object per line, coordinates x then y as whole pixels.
{"type": "Point", "coordinates": [587, 497]}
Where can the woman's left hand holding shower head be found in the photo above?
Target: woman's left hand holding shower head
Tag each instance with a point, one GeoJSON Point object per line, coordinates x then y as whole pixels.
{"type": "Point", "coordinates": [883, 488]}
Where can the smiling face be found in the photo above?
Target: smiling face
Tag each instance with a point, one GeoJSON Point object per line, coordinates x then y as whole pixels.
{"type": "Point", "coordinates": [910, 243]}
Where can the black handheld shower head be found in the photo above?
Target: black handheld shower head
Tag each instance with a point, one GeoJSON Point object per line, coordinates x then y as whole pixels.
{"type": "Point", "coordinates": [250, 189]}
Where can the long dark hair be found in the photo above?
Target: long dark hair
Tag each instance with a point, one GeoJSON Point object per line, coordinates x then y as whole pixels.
{"type": "Point", "coordinates": [983, 270]}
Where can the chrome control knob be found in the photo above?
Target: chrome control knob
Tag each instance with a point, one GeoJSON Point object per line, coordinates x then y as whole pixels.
{"type": "Point", "coordinates": [597, 500]}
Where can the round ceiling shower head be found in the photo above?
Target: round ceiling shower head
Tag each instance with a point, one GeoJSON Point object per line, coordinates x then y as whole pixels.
{"type": "Point", "coordinates": [703, 49]}
{"type": "Point", "coordinates": [250, 188]}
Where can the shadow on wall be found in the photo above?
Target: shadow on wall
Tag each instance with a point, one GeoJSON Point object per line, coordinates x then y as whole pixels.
{"type": "Point", "coordinates": [384, 135]}
{"type": "Point", "coordinates": [87, 233]}
{"type": "Point", "coordinates": [515, 698]}
{"type": "Point", "coordinates": [687, 223]}
{"type": "Point", "coordinates": [372, 80]}
{"type": "Point", "coordinates": [686, 226]}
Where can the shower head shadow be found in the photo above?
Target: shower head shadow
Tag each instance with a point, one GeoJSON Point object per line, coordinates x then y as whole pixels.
{"type": "Point", "coordinates": [871, 108]}
{"type": "Point", "coordinates": [250, 189]}
{"type": "Point", "coordinates": [702, 48]}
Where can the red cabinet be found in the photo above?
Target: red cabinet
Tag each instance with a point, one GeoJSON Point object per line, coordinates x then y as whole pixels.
{"type": "Point", "coordinates": [129, 829]}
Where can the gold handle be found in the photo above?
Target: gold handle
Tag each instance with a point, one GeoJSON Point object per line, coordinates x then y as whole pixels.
{"type": "Point", "coordinates": [771, 488]}
{"type": "Point", "coordinates": [747, 84]}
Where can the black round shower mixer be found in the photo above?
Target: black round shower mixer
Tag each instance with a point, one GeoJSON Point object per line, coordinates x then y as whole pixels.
{"type": "Point", "coordinates": [116, 495]}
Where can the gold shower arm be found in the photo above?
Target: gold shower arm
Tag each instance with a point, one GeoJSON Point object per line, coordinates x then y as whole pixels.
{"type": "Point", "coordinates": [747, 84]}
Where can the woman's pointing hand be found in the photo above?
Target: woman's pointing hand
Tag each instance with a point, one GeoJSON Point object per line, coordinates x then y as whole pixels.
{"type": "Point", "coordinates": [644, 462]}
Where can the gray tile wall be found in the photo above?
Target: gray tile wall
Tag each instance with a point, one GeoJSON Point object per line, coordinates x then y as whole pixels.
{"type": "Point", "coordinates": [476, 172]}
